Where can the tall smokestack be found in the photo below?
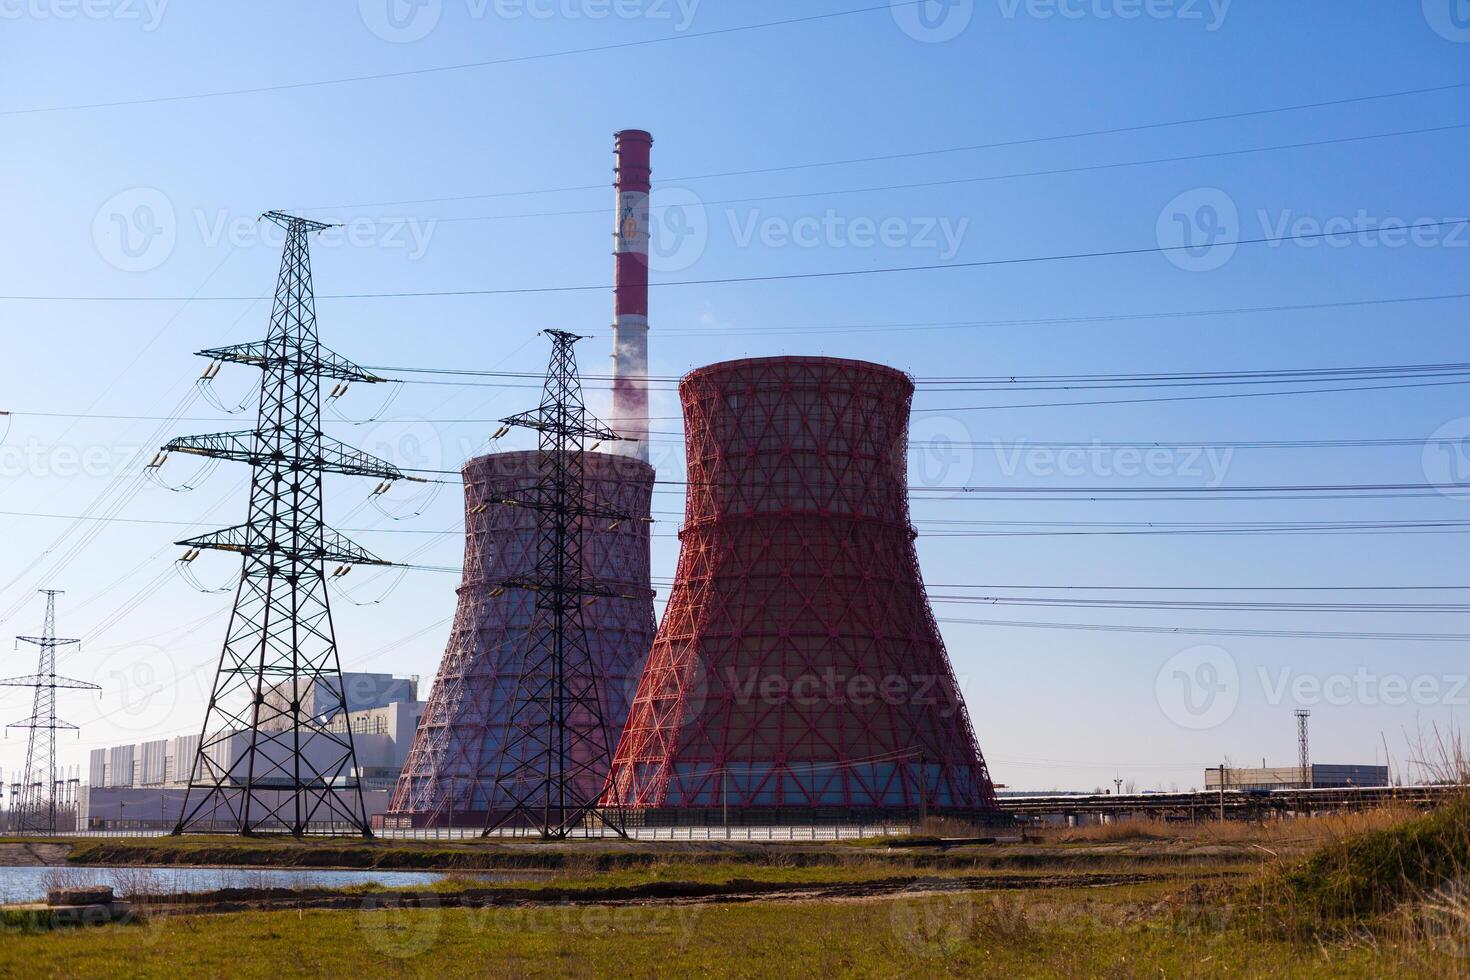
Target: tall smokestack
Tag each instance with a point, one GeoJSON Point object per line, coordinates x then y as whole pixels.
{"type": "Point", "coordinates": [630, 325]}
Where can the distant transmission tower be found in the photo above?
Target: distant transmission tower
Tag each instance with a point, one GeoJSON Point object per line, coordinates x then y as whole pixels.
{"type": "Point", "coordinates": [558, 747]}
{"type": "Point", "coordinates": [269, 753]}
{"type": "Point", "coordinates": [36, 808]}
{"type": "Point", "coordinates": [1303, 755]}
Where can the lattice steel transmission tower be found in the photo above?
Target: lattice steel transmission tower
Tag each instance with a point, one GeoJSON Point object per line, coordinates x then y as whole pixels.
{"type": "Point", "coordinates": [558, 747]}
{"type": "Point", "coordinates": [36, 808]}
{"type": "Point", "coordinates": [1303, 754]}
{"type": "Point", "coordinates": [276, 747]}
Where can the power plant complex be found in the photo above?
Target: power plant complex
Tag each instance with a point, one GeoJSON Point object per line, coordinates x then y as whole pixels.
{"type": "Point", "coordinates": [797, 677]}
{"type": "Point", "coordinates": [797, 572]}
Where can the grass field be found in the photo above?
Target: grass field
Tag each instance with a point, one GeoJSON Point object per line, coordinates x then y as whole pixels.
{"type": "Point", "coordinates": [1369, 895]}
{"type": "Point", "coordinates": [1060, 934]}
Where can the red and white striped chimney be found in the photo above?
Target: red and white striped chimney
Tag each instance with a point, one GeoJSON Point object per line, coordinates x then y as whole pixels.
{"type": "Point", "coordinates": [630, 325]}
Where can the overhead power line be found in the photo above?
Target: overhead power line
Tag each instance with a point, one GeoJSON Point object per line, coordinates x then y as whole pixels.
{"type": "Point", "coordinates": [914, 154]}
{"type": "Point", "coordinates": [980, 179]}
{"type": "Point", "coordinates": [463, 66]}
{"type": "Point", "coordinates": [1210, 631]}
{"type": "Point", "coordinates": [774, 277]}
{"type": "Point", "coordinates": [848, 328]}
{"type": "Point", "coordinates": [1263, 375]}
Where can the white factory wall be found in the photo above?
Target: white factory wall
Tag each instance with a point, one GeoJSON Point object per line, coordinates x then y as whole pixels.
{"type": "Point", "coordinates": [157, 808]}
{"type": "Point", "coordinates": [382, 736]}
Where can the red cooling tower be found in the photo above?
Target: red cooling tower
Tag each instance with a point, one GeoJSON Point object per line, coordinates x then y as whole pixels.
{"type": "Point", "coordinates": [451, 769]}
{"type": "Point", "coordinates": [798, 665]}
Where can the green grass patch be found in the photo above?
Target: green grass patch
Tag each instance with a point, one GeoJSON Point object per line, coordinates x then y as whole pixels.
{"type": "Point", "coordinates": [1365, 875]}
{"type": "Point", "coordinates": [914, 936]}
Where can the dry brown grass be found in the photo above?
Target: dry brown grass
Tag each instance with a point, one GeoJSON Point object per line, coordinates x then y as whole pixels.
{"type": "Point", "coordinates": [1285, 831]}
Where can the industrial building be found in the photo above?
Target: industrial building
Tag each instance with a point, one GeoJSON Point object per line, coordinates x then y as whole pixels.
{"type": "Point", "coordinates": [1315, 776]}
{"type": "Point", "coordinates": [143, 784]}
{"type": "Point", "coordinates": [798, 673]}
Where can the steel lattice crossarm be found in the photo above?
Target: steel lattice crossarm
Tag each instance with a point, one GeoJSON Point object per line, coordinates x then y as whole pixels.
{"type": "Point", "coordinates": [572, 424]}
{"type": "Point", "coordinates": [32, 680]}
{"type": "Point", "coordinates": [47, 641]}
{"type": "Point", "coordinates": [334, 547]}
{"type": "Point", "coordinates": [544, 500]}
{"type": "Point", "coordinates": [55, 724]}
{"type": "Point", "coordinates": [322, 454]}
{"type": "Point", "coordinates": [266, 354]}
{"type": "Point", "coordinates": [532, 585]}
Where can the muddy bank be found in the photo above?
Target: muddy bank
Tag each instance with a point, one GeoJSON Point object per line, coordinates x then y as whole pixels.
{"type": "Point", "coordinates": [737, 890]}
{"type": "Point", "coordinates": [615, 855]}
{"type": "Point", "coordinates": [33, 854]}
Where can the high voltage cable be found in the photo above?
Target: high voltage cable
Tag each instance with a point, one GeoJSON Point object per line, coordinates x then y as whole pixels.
{"type": "Point", "coordinates": [984, 178]}
{"type": "Point", "coordinates": [774, 277]}
{"type": "Point", "coordinates": [1192, 398]}
{"type": "Point", "coordinates": [1207, 631]}
{"type": "Point", "coordinates": [1036, 528]}
{"type": "Point", "coordinates": [1054, 321]}
{"type": "Point", "coordinates": [1196, 604]}
{"type": "Point", "coordinates": [464, 66]}
{"type": "Point", "coordinates": [1024, 141]}
{"type": "Point", "coordinates": [996, 444]}
{"type": "Point", "coordinates": [1264, 375]}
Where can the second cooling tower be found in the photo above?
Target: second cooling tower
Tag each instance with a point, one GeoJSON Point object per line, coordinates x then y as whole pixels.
{"type": "Point", "coordinates": [450, 775]}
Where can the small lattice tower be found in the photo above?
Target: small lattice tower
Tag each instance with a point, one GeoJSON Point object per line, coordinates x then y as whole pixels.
{"type": "Point", "coordinates": [35, 810]}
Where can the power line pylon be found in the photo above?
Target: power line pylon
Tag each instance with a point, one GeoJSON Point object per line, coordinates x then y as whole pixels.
{"type": "Point", "coordinates": [36, 808]}
{"type": "Point", "coordinates": [272, 751]}
{"type": "Point", "coordinates": [1303, 753]}
{"type": "Point", "coordinates": [558, 748]}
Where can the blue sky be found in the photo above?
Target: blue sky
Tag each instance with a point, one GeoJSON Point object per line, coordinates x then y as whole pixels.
{"type": "Point", "coordinates": [155, 199]}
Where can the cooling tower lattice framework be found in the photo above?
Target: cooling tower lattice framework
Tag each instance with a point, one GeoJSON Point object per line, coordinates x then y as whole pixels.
{"type": "Point", "coordinates": [798, 664]}
{"type": "Point", "coordinates": [450, 773]}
